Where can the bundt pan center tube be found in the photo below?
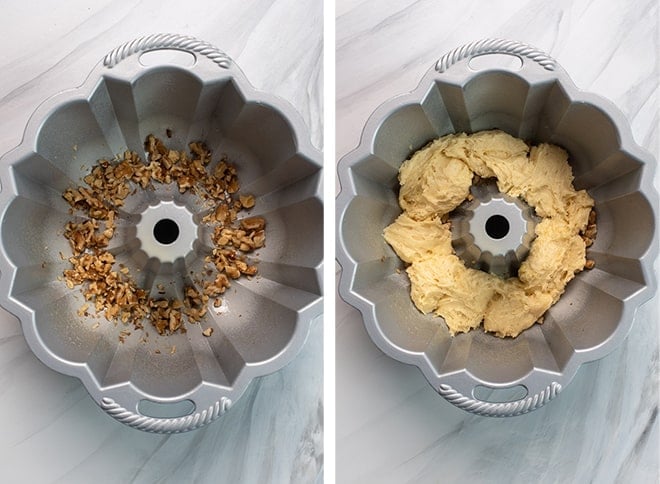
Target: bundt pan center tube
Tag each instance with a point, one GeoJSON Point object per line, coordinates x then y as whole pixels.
{"type": "Point", "coordinates": [181, 381]}
{"type": "Point", "coordinates": [537, 102]}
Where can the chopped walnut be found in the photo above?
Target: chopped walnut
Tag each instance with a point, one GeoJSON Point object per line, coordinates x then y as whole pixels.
{"type": "Point", "coordinates": [589, 234]}
{"type": "Point", "coordinates": [591, 231]}
{"type": "Point", "coordinates": [247, 201]}
{"type": "Point", "coordinates": [253, 223]}
{"type": "Point", "coordinates": [112, 291]}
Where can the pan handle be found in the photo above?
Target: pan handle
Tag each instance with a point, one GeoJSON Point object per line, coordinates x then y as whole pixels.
{"type": "Point", "coordinates": [496, 46]}
{"type": "Point", "coordinates": [152, 42]}
{"type": "Point", "coordinates": [164, 425]}
{"type": "Point", "coordinates": [507, 409]}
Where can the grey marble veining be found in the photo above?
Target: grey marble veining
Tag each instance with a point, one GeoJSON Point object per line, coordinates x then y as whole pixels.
{"type": "Point", "coordinates": [391, 426]}
{"type": "Point", "coordinates": [50, 430]}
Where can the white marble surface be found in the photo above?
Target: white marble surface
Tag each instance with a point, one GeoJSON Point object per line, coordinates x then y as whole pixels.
{"type": "Point", "coordinates": [391, 426]}
{"type": "Point", "coordinates": [50, 430]}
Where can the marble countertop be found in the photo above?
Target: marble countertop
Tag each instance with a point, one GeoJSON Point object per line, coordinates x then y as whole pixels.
{"type": "Point", "coordinates": [391, 425]}
{"type": "Point", "coordinates": [50, 429]}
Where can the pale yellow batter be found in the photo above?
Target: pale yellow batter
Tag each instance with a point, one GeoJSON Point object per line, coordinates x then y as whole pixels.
{"type": "Point", "coordinates": [436, 179]}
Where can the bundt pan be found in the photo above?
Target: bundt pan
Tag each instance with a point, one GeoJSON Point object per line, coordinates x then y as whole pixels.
{"type": "Point", "coordinates": [262, 323]}
{"type": "Point", "coordinates": [479, 372]}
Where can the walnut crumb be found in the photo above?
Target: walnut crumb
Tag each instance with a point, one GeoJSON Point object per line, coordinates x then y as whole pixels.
{"type": "Point", "coordinates": [123, 334]}
{"type": "Point", "coordinates": [82, 311]}
{"type": "Point", "coordinates": [208, 332]}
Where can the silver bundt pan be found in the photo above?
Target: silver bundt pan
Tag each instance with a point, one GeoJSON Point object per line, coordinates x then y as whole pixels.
{"type": "Point", "coordinates": [538, 103]}
{"type": "Point", "coordinates": [263, 322]}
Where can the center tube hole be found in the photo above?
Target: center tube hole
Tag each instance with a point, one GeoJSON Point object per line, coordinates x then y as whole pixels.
{"type": "Point", "coordinates": [497, 227]}
{"type": "Point", "coordinates": [166, 231]}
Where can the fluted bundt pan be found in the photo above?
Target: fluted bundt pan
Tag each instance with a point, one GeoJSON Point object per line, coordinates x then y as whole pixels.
{"type": "Point", "coordinates": [537, 103]}
{"type": "Point", "coordinates": [178, 382]}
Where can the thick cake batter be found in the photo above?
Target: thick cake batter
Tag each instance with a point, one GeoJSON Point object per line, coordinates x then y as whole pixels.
{"type": "Point", "coordinates": [436, 180]}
